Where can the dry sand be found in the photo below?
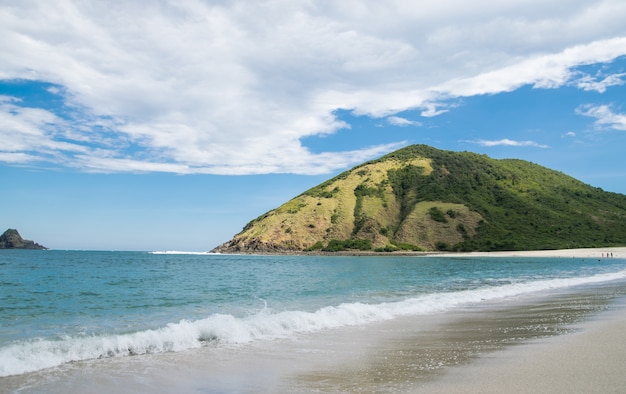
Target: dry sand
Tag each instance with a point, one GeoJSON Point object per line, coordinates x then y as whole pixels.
{"type": "Point", "coordinates": [618, 252]}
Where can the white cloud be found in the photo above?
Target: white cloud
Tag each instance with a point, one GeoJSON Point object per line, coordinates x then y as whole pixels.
{"type": "Point", "coordinates": [16, 158]}
{"type": "Point", "coordinates": [588, 83]}
{"type": "Point", "coordinates": [308, 163]}
{"type": "Point", "coordinates": [605, 117]}
{"type": "Point", "coordinates": [432, 110]}
{"type": "Point", "coordinates": [399, 121]}
{"type": "Point", "coordinates": [508, 142]}
{"type": "Point", "coordinates": [542, 71]}
{"type": "Point", "coordinates": [29, 134]}
{"type": "Point", "coordinates": [233, 87]}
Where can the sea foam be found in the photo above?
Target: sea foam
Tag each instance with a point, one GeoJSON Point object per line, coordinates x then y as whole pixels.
{"type": "Point", "coordinates": [26, 356]}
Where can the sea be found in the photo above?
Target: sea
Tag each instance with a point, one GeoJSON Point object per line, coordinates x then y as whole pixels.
{"type": "Point", "coordinates": [141, 315]}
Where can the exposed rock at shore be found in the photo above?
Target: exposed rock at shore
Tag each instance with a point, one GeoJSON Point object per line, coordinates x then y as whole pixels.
{"type": "Point", "coordinates": [11, 239]}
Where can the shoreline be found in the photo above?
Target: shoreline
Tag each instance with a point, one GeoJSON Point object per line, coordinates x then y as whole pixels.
{"type": "Point", "coordinates": [442, 350]}
{"type": "Point", "coordinates": [612, 252]}
{"type": "Point", "coordinates": [588, 360]}
{"type": "Point", "coordinates": [570, 342]}
{"type": "Point", "coordinates": [561, 342]}
{"type": "Point", "coordinates": [608, 252]}
{"type": "Point", "coordinates": [497, 346]}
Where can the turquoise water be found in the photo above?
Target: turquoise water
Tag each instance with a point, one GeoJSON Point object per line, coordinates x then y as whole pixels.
{"type": "Point", "coordinates": [63, 306]}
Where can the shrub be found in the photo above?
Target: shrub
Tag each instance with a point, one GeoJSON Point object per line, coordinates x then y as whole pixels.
{"type": "Point", "coordinates": [406, 246]}
{"type": "Point", "coordinates": [437, 215]}
{"type": "Point", "coordinates": [443, 246]}
{"type": "Point", "coordinates": [316, 246]}
{"type": "Point", "coordinates": [335, 245]}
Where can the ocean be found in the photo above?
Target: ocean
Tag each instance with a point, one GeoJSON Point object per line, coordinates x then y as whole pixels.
{"type": "Point", "coordinates": [143, 314]}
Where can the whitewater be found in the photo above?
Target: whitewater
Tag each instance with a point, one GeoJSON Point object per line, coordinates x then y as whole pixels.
{"type": "Point", "coordinates": [60, 307]}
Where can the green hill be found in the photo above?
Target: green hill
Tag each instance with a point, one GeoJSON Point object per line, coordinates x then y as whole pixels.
{"type": "Point", "coordinates": [422, 198]}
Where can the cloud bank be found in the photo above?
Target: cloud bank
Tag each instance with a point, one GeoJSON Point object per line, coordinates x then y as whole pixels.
{"type": "Point", "coordinates": [232, 87]}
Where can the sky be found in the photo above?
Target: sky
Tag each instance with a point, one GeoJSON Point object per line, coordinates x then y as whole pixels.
{"type": "Point", "coordinates": [169, 125]}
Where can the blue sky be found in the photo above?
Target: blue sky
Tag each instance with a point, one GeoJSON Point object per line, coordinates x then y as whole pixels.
{"type": "Point", "coordinates": [169, 125]}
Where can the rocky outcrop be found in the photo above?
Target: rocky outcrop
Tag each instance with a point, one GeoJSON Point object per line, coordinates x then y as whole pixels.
{"type": "Point", "coordinates": [255, 246]}
{"type": "Point", "coordinates": [11, 239]}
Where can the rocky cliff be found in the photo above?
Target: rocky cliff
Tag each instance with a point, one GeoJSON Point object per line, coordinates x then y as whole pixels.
{"type": "Point", "coordinates": [11, 239]}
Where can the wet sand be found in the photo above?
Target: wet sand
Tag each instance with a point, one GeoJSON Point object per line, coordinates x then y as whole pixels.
{"type": "Point", "coordinates": [543, 346]}
{"type": "Point", "coordinates": [591, 360]}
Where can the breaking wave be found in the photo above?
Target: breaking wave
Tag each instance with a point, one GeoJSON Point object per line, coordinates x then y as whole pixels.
{"type": "Point", "coordinates": [26, 356]}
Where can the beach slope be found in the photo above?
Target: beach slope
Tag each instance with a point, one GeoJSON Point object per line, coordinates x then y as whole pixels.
{"type": "Point", "coordinates": [590, 360]}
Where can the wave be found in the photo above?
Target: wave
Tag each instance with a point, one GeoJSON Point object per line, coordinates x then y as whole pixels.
{"type": "Point", "coordinates": [36, 354]}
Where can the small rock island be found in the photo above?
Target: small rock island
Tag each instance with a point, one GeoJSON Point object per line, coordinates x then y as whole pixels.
{"type": "Point", "coordinates": [11, 239]}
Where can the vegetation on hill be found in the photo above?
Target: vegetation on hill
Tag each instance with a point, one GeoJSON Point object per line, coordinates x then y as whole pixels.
{"type": "Point", "coordinates": [422, 198]}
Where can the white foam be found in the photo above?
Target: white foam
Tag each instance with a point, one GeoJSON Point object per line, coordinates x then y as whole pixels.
{"type": "Point", "coordinates": [27, 356]}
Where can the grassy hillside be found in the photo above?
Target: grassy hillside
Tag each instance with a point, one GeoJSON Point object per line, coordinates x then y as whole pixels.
{"type": "Point", "coordinates": [421, 198]}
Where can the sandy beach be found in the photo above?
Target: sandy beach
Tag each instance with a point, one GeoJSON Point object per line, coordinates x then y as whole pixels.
{"type": "Point", "coordinates": [575, 343]}
{"type": "Point", "coordinates": [616, 252]}
{"type": "Point", "coordinates": [612, 252]}
{"type": "Point", "coordinates": [590, 360]}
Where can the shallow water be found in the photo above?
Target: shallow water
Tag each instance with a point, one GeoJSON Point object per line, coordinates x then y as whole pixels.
{"type": "Point", "coordinates": [399, 355]}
